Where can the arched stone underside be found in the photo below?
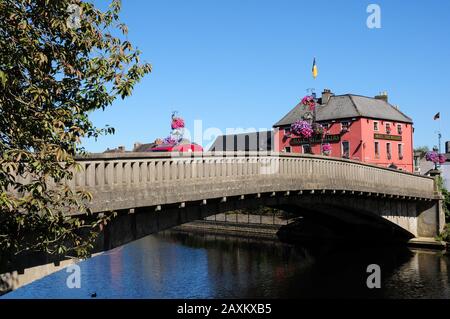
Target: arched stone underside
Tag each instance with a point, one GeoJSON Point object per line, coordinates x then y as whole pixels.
{"type": "Point", "coordinates": [152, 192]}
{"type": "Point", "coordinates": [347, 216]}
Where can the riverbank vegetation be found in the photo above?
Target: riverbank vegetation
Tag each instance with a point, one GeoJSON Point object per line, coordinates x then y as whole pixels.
{"type": "Point", "coordinates": [445, 236]}
{"type": "Point", "coordinates": [59, 61]}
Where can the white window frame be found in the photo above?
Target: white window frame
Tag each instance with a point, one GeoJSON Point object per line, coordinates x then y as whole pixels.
{"type": "Point", "coordinates": [377, 155]}
{"type": "Point", "coordinates": [303, 148]}
{"type": "Point", "coordinates": [342, 148]}
{"type": "Point", "coordinates": [402, 154]}
{"type": "Point", "coordinates": [378, 126]}
{"type": "Point", "coordinates": [387, 150]}
{"type": "Point", "coordinates": [386, 127]}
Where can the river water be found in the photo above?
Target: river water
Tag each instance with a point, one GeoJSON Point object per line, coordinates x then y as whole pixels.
{"type": "Point", "coordinates": [176, 264]}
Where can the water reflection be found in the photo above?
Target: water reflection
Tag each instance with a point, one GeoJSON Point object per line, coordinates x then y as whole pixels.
{"type": "Point", "coordinates": [186, 265]}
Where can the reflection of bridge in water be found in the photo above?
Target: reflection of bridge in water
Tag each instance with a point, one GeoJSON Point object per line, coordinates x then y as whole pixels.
{"type": "Point", "coordinates": [153, 192]}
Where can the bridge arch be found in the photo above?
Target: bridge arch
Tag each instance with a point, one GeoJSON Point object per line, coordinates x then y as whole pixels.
{"type": "Point", "coordinates": [158, 191]}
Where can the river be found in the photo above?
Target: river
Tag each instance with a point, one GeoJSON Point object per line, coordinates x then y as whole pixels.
{"type": "Point", "coordinates": [175, 264]}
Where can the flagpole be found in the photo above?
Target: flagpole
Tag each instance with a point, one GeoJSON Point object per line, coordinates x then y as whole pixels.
{"type": "Point", "coordinates": [440, 135]}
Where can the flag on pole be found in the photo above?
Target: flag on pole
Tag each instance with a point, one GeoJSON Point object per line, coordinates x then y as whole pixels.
{"type": "Point", "coordinates": [314, 69]}
{"type": "Point", "coordinates": [437, 116]}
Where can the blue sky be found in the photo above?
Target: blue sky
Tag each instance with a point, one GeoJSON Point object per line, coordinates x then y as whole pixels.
{"type": "Point", "coordinates": [245, 63]}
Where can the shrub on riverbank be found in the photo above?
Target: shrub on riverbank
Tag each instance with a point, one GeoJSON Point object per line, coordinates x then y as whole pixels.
{"type": "Point", "coordinates": [445, 235]}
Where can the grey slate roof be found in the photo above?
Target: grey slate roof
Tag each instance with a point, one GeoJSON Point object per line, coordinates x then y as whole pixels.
{"type": "Point", "coordinates": [255, 141]}
{"type": "Point", "coordinates": [144, 147]}
{"type": "Point", "coordinates": [348, 106]}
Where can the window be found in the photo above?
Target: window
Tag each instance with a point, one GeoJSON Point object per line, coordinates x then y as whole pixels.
{"type": "Point", "coordinates": [346, 149]}
{"type": "Point", "coordinates": [345, 126]}
{"type": "Point", "coordinates": [388, 151]}
{"type": "Point", "coordinates": [388, 128]}
{"type": "Point", "coordinates": [307, 149]}
{"type": "Point", "coordinates": [377, 149]}
{"type": "Point", "coordinates": [400, 151]}
{"type": "Point", "coordinates": [287, 149]}
{"type": "Point", "coordinates": [375, 126]}
{"type": "Point", "coordinates": [399, 129]}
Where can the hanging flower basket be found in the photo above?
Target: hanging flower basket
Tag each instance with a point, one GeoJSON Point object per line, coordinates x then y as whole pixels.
{"type": "Point", "coordinates": [435, 157]}
{"type": "Point", "coordinates": [177, 122]}
{"type": "Point", "coordinates": [302, 128]}
{"type": "Point", "coordinates": [319, 130]}
{"type": "Point", "coordinates": [170, 140]}
{"type": "Point", "coordinates": [326, 149]}
{"type": "Point", "coordinates": [309, 102]}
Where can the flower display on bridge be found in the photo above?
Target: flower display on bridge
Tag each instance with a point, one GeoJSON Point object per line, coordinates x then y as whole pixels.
{"type": "Point", "coordinates": [302, 128]}
{"type": "Point", "coordinates": [177, 122]}
{"type": "Point", "coordinates": [177, 125]}
{"type": "Point", "coordinates": [170, 140]}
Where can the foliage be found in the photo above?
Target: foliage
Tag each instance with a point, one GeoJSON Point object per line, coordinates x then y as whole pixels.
{"type": "Point", "coordinates": [422, 150]}
{"type": "Point", "coordinates": [52, 75]}
{"type": "Point", "coordinates": [446, 195]}
{"type": "Point", "coordinates": [445, 235]}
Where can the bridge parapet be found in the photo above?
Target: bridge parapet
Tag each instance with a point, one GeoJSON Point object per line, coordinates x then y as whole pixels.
{"type": "Point", "coordinates": [130, 180]}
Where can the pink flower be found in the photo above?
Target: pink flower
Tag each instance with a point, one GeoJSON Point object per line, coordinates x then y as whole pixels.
{"type": "Point", "coordinates": [326, 147]}
{"type": "Point", "coordinates": [302, 128]}
{"type": "Point", "coordinates": [309, 101]}
{"type": "Point", "coordinates": [169, 140]}
{"type": "Point", "coordinates": [177, 123]}
{"type": "Point", "coordinates": [436, 158]}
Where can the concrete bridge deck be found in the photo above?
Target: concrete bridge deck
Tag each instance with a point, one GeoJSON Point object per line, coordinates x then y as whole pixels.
{"type": "Point", "coordinates": [178, 188]}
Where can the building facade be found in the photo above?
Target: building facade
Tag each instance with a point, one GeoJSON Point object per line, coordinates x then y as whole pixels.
{"type": "Point", "coordinates": [357, 127]}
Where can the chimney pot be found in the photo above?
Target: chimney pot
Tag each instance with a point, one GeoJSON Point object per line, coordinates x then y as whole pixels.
{"type": "Point", "coordinates": [382, 96]}
{"type": "Point", "coordinates": [326, 95]}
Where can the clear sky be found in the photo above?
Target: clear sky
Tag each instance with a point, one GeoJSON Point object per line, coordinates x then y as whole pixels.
{"type": "Point", "coordinates": [246, 63]}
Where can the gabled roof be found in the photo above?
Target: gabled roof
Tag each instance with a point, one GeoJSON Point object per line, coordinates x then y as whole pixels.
{"type": "Point", "coordinates": [144, 147]}
{"type": "Point", "coordinates": [348, 106]}
{"type": "Point", "coordinates": [254, 141]}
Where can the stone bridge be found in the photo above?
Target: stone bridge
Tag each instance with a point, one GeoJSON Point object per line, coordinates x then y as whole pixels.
{"type": "Point", "coordinates": [152, 192]}
{"type": "Point", "coordinates": [156, 191]}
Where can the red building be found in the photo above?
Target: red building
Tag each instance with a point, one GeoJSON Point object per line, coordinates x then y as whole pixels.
{"type": "Point", "coordinates": [359, 128]}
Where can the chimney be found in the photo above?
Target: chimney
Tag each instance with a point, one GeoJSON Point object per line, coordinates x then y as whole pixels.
{"type": "Point", "coordinates": [136, 145]}
{"type": "Point", "coordinates": [326, 95]}
{"type": "Point", "coordinates": [447, 147]}
{"type": "Point", "coordinates": [121, 148]}
{"type": "Point", "coordinates": [382, 96]}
